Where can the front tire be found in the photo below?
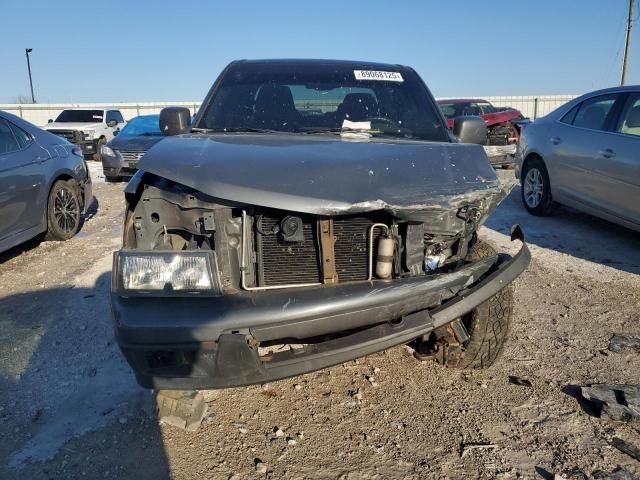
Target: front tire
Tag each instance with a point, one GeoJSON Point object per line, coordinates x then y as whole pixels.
{"type": "Point", "coordinates": [98, 155]}
{"type": "Point", "coordinates": [487, 328]}
{"type": "Point", "coordinates": [535, 189]}
{"type": "Point", "coordinates": [63, 210]}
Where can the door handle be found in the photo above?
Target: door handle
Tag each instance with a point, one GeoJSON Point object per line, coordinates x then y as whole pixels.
{"type": "Point", "coordinates": [39, 159]}
{"type": "Point", "coordinates": [556, 140]}
{"type": "Point", "coordinates": [607, 153]}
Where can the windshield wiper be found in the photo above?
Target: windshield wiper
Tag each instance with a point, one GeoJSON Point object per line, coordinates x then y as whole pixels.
{"type": "Point", "coordinates": [342, 130]}
{"type": "Point", "coordinates": [235, 130]}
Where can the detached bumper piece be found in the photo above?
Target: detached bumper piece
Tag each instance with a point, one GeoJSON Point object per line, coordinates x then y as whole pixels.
{"type": "Point", "coordinates": [209, 343]}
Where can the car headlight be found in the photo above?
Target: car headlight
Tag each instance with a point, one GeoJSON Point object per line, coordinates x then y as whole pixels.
{"type": "Point", "coordinates": [88, 134]}
{"type": "Point", "coordinates": [108, 151]}
{"type": "Point", "coordinates": [166, 272]}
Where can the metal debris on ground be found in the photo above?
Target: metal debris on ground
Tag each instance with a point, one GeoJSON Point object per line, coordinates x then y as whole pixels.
{"type": "Point", "coordinates": [466, 447]}
{"type": "Point", "coordinates": [619, 342]}
{"type": "Point", "coordinates": [616, 402]}
{"type": "Point", "coordinates": [523, 382]}
{"type": "Point", "coordinates": [181, 408]}
{"type": "Point", "coordinates": [626, 447]}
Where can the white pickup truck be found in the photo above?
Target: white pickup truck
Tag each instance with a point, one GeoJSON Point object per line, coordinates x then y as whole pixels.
{"type": "Point", "coordinates": [87, 128]}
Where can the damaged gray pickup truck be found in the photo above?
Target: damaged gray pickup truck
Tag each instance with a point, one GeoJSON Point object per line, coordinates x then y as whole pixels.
{"type": "Point", "coordinates": [312, 213]}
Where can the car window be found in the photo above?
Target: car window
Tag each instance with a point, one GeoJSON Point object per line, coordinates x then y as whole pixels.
{"type": "Point", "coordinates": [314, 98]}
{"type": "Point", "coordinates": [8, 141]}
{"type": "Point", "coordinates": [570, 115]}
{"type": "Point", "coordinates": [24, 138]}
{"type": "Point", "coordinates": [629, 121]}
{"type": "Point", "coordinates": [81, 116]}
{"type": "Point", "coordinates": [593, 112]}
{"type": "Point", "coordinates": [118, 116]}
{"type": "Point", "coordinates": [487, 108]}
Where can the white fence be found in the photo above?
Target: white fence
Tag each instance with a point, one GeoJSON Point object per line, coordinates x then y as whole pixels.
{"type": "Point", "coordinates": [40, 113]}
{"type": "Point", "coordinates": [531, 106]}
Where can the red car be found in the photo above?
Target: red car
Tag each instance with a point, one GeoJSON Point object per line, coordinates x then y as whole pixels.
{"type": "Point", "coordinates": [503, 125]}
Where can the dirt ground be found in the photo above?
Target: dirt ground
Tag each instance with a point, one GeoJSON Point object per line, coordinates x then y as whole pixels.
{"type": "Point", "coordinates": [70, 407]}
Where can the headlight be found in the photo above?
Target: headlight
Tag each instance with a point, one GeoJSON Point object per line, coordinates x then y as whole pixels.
{"type": "Point", "coordinates": [166, 272]}
{"type": "Point", "coordinates": [108, 151]}
{"type": "Point", "coordinates": [88, 134]}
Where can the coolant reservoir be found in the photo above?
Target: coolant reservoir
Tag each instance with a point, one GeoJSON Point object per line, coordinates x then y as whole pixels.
{"type": "Point", "coordinates": [384, 259]}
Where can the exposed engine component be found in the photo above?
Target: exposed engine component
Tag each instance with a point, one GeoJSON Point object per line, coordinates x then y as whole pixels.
{"type": "Point", "coordinates": [384, 258]}
{"type": "Point", "coordinates": [291, 229]}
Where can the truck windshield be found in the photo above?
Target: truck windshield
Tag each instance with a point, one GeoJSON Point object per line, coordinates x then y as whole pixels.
{"type": "Point", "coordinates": [318, 98]}
{"type": "Point", "coordinates": [142, 125]}
{"type": "Point", "coordinates": [81, 116]}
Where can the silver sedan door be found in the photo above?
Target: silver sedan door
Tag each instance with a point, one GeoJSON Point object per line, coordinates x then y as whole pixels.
{"type": "Point", "coordinates": [580, 145]}
{"type": "Point", "coordinates": [21, 180]}
{"type": "Point", "coordinates": [623, 165]}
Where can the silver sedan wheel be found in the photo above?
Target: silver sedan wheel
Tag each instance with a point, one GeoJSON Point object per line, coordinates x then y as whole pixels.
{"type": "Point", "coordinates": [533, 187]}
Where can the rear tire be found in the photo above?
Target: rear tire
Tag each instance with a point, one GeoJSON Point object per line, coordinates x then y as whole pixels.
{"type": "Point", "coordinates": [535, 189]}
{"type": "Point", "coordinates": [63, 210]}
{"type": "Point", "coordinates": [487, 327]}
{"type": "Point", "coordinates": [98, 155]}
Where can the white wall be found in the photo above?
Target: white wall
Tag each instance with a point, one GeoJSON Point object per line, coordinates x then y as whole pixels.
{"type": "Point", "coordinates": [40, 113]}
{"type": "Point", "coordinates": [532, 106]}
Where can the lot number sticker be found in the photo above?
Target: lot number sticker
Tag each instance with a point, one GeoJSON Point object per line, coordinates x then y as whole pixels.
{"type": "Point", "coordinates": [377, 75]}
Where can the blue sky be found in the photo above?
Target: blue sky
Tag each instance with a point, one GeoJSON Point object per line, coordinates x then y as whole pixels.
{"type": "Point", "coordinates": [164, 50]}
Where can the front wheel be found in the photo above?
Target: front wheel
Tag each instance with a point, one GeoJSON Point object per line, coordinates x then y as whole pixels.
{"type": "Point", "coordinates": [63, 210]}
{"type": "Point", "coordinates": [476, 340]}
{"type": "Point", "coordinates": [98, 155]}
{"type": "Point", "coordinates": [536, 189]}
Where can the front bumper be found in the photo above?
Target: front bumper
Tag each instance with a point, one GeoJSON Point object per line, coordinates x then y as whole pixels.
{"type": "Point", "coordinates": [208, 343]}
{"type": "Point", "coordinates": [501, 155]}
{"type": "Point", "coordinates": [118, 166]}
{"type": "Point", "coordinates": [89, 147]}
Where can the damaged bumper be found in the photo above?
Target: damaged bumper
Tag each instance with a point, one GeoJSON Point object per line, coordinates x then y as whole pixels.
{"type": "Point", "coordinates": [213, 342]}
{"type": "Point", "coordinates": [501, 155]}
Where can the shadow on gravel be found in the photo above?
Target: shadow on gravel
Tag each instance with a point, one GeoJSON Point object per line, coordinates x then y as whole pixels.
{"type": "Point", "coordinates": [575, 392]}
{"type": "Point", "coordinates": [69, 404]}
{"type": "Point", "coordinates": [35, 242]}
{"type": "Point", "coordinates": [571, 232]}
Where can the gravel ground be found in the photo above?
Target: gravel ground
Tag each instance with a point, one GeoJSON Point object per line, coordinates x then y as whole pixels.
{"type": "Point", "coordinates": [70, 408]}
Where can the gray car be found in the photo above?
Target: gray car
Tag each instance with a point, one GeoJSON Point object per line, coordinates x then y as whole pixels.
{"type": "Point", "coordinates": [585, 154]}
{"type": "Point", "coordinates": [44, 184]}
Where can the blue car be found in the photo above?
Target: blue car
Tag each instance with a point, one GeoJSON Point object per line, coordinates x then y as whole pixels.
{"type": "Point", "coordinates": [44, 184]}
{"type": "Point", "coordinates": [120, 156]}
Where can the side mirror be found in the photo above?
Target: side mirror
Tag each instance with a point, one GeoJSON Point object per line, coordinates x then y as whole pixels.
{"type": "Point", "coordinates": [116, 132]}
{"type": "Point", "coordinates": [112, 123]}
{"type": "Point", "coordinates": [470, 129]}
{"type": "Point", "coordinates": [175, 120]}
{"type": "Point", "coordinates": [50, 120]}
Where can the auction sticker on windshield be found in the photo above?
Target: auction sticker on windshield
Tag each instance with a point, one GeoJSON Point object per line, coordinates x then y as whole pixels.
{"type": "Point", "coordinates": [377, 75]}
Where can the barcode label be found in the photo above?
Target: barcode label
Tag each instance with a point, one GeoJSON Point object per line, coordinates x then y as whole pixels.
{"type": "Point", "coordinates": [377, 75]}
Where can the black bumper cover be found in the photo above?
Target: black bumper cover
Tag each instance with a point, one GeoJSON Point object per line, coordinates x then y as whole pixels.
{"type": "Point", "coordinates": [211, 342]}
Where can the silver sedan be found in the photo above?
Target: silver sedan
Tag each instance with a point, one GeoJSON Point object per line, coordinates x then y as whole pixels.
{"type": "Point", "coordinates": [44, 184]}
{"type": "Point", "coordinates": [585, 154]}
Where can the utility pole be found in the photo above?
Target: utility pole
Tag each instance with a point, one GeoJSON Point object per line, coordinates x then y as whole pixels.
{"type": "Point", "coordinates": [27, 52]}
{"type": "Point", "coordinates": [627, 44]}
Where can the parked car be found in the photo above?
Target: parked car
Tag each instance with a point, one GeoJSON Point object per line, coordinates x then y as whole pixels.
{"type": "Point", "coordinates": [264, 242]}
{"type": "Point", "coordinates": [120, 156]}
{"type": "Point", "coordinates": [44, 184]}
{"type": "Point", "coordinates": [87, 128]}
{"type": "Point", "coordinates": [585, 154]}
{"type": "Point", "coordinates": [504, 125]}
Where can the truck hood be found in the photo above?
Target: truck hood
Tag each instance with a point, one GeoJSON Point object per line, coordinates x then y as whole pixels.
{"type": "Point", "coordinates": [134, 143]}
{"type": "Point", "coordinates": [327, 174]}
{"type": "Point", "coordinates": [71, 126]}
